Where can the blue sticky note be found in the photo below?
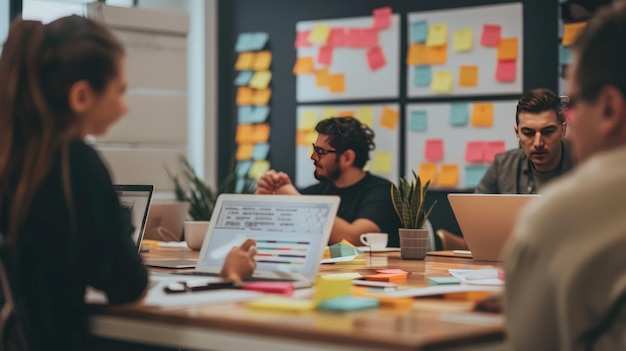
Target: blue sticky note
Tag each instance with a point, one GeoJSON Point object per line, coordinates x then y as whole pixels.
{"type": "Point", "coordinates": [443, 280]}
{"type": "Point", "coordinates": [261, 151]}
{"type": "Point", "coordinates": [243, 167]}
{"type": "Point", "coordinates": [245, 114]}
{"type": "Point", "coordinates": [419, 31]}
{"type": "Point", "coordinates": [421, 76]}
{"type": "Point", "coordinates": [473, 175]}
{"type": "Point", "coordinates": [244, 42]}
{"type": "Point", "coordinates": [348, 303]}
{"type": "Point", "coordinates": [243, 78]}
{"type": "Point", "coordinates": [241, 182]}
{"type": "Point", "coordinates": [418, 121]}
{"type": "Point", "coordinates": [459, 114]}
{"type": "Point", "coordinates": [565, 55]}
{"type": "Point", "coordinates": [258, 40]}
{"type": "Point", "coordinates": [260, 114]}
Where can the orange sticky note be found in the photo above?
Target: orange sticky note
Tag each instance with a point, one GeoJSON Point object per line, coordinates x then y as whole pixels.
{"type": "Point", "coordinates": [305, 137]}
{"type": "Point", "coordinates": [243, 134]}
{"type": "Point", "coordinates": [244, 151]}
{"type": "Point", "coordinates": [449, 175]}
{"type": "Point", "coordinates": [262, 96]}
{"type": "Point", "coordinates": [260, 133]}
{"type": "Point", "coordinates": [571, 31]}
{"type": "Point", "coordinates": [337, 83]}
{"type": "Point", "coordinates": [346, 114]}
{"type": "Point", "coordinates": [428, 171]}
{"type": "Point", "coordinates": [245, 61]}
{"type": "Point", "coordinates": [262, 60]}
{"type": "Point", "coordinates": [507, 49]}
{"type": "Point", "coordinates": [418, 55]}
{"type": "Point", "coordinates": [437, 54]}
{"type": "Point", "coordinates": [303, 65]}
{"type": "Point", "coordinates": [482, 114]}
{"type": "Point", "coordinates": [389, 118]}
{"type": "Point", "coordinates": [322, 78]}
{"type": "Point", "coordinates": [245, 96]}
{"type": "Point", "coordinates": [468, 76]}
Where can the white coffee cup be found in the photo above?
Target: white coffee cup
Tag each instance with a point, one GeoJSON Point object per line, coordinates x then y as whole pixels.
{"type": "Point", "coordinates": [195, 231]}
{"type": "Point", "coordinates": [375, 241]}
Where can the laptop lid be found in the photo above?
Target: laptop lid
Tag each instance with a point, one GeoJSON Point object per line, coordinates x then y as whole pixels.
{"type": "Point", "coordinates": [136, 200]}
{"type": "Point", "coordinates": [487, 220]}
{"type": "Point", "coordinates": [291, 233]}
{"type": "Point", "coordinates": [166, 220]}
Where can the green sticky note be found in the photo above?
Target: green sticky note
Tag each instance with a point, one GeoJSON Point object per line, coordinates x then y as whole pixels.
{"type": "Point", "coordinates": [459, 114]}
{"type": "Point", "coordinates": [443, 281]}
{"type": "Point", "coordinates": [419, 121]}
{"type": "Point", "coordinates": [422, 76]}
{"type": "Point", "coordinates": [348, 303]}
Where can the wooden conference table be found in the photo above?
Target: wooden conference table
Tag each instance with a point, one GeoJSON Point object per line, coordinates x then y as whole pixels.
{"type": "Point", "coordinates": [431, 324]}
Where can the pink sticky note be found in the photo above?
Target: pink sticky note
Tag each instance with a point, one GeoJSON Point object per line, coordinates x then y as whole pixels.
{"type": "Point", "coordinates": [434, 150]}
{"type": "Point", "coordinates": [362, 37]}
{"type": "Point", "coordinates": [491, 35]}
{"type": "Point", "coordinates": [337, 37]}
{"type": "Point", "coordinates": [302, 39]}
{"type": "Point", "coordinates": [475, 151]}
{"type": "Point", "coordinates": [325, 55]}
{"type": "Point", "coordinates": [376, 58]}
{"type": "Point", "coordinates": [382, 17]}
{"type": "Point", "coordinates": [494, 148]}
{"type": "Point", "coordinates": [505, 71]}
{"type": "Point", "coordinates": [391, 271]}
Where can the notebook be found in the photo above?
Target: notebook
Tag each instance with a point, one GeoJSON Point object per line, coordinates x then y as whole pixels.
{"type": "Point", "coordinates": [291, 234]}
{"type": "Point", "coordinates": [136, 200]}
{"type": "Point", "coordinates": [486, 220]}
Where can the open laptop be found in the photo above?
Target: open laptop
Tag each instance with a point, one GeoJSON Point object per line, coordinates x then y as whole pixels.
{"type": "Point", "coordinates": [136, 200]}
{"type": "Point", "coordinates": [291, 234]}
{"type": "Point", "coordinates": [486, 220]}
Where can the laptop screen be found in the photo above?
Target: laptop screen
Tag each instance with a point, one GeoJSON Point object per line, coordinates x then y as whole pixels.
{"type": "Point", "coordinates": [287, 233]}
{"type": "Point", "coordinates": [136, 200]}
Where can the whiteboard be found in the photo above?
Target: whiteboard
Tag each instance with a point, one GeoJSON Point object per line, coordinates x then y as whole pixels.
{"type": "Point", "coordinates": [360, 81]}
{"type": "Point", "coordinates": [508, 16]}
{"type": "Point", "coordinates": [456, 138]}
{"type": "Point", "coordinates": [386, 140]}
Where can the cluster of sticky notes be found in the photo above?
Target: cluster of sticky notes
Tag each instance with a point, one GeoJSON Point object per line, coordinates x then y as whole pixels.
{"type": "Point", "coordinates": [429, 46]}
{"type": "Point", "coordinates": [388, 275]}
{"type": "Point", "coordinates": [571, 31]}
{"type": "Point", "coordinates": [483, 151]}
{"type": "Point", "coordinates": [447, 176]}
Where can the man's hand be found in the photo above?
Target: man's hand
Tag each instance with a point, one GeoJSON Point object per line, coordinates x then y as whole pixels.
{"type": "Point", "coordinates": [274, 182]}
{"type": "Point", "coordinates": [240, 264]}
{"type": "Point", "coordinates": [492, 304]}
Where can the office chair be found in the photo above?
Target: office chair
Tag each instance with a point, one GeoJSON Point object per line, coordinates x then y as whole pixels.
{"type": "Point", "coordinates": [12, 316]}
{"type": "Point", "coordinates": [450, 241]}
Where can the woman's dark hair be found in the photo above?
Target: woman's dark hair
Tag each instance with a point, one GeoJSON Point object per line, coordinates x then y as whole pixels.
{"type": "Point", "coordinates": [347, 133]}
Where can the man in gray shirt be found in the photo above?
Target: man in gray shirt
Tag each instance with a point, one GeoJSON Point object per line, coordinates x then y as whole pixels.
{"type": "Point", "coordinates": [543, 154]}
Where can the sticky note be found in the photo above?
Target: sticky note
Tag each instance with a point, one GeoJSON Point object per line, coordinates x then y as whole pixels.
{"type": "Point", "coordinates": [337, 83]}
{"type": "Point", "coordinates": [392, 271]}
{"type": "Point", "coordinates": [505, 71]}
{"type": "Point", "coordinates": [262, 60]}
{"type": "Point", "coordinates": [443, 280]}
{"type": "Point", "coordinates": [244, 61]}
{"type": "Point", "coordinates": [258, 40]}
{"type": "Point", "coordinates": [261, 133]}
{"type": "Point", "coordinates": [348, 303]}
{"type": "Point", "coordinates": [245, 96]}
{"type": "Point", "coordinates": [243, 78]}
{"type": "Point", "coordinates": [261, 79]}
{"type": "Point", "coordinates": [494, 148]}
{"type": "Point", "coordinates": [417, 55]}
{"type": "Point", "coordinates": [475, 151]}
{"type": "Point", "coordinates": [437, 35]}
{"type": "Point", "coordinates": [362, 37]}
{"type": "Point", "coordinates": [434, 150]}
{"type": "Point", "coordinates": [325, 55]}
{"type": "Point", "coordinates": [337, 37]}
{"type": "Point", "coordinates": [422, 76]}
{"type": "Point", "coordinates": [308, 120]}
{"type": "Point", "coordinates": [449, 175]}
{"type": "Point", "coordinates": [245, 114]}
{"type": "Point", "coordinates": [259, 114]}
{"type": "Point", "coordinates": [565, 55]}
{"type": "Point", "coordinates": [341, 276]}
{"type": "Point", "coordinates": [304, 64]}
{"type": "Point", "coordinates": [376, 58]}
{"type": "Point", "coordinates": [328, 288]}
{"type": "Point", "coordinates": [243, 42]}
{"type": "Point", "coordinates": [419, 31]}
{"type": "Point", "coordinates": [330, 112]}
{"type": "Point", "coordinates": [437, 55]}
{"type": "Point", "coordinates": [382, 162]}
{"type": "Point", "coordinates": [491, 35]}
{"type": "Point", "coordinates": [242, 168]}
{"type": "Point", "coordinates": [474, 174]}
{"type": "Point", "coordinates": [346, 114]}
{"type": "Point", "coordinates": [482, 115]}
{"type": "Point", "coordinates": [244, 152]}
{"type": "Point", "coordinates": [365, 115]}
{"type": "Point", "coordinates": [389, 118]}
{"type": "Point", "coordinates": [387, 277]}
{"type": "Point", "coordinates": [322, 78]}
{"type": "Point", "coordinates": [258, 169]}
{"type": "Point", "coordinates": [382, 17]}
{"type": "Point", "coordinates": [418, 121]}
{"type": "Point", "coordinates": [442, 82]}
{"type": "Point", "coordinates": [281, 303]}
{"type": "Point", "coordinates": [468, 76]}
{"type": "Point", "coordinates": [571, 31]}
{"type": "Point", "coordinates": [305, 137]}
{"type": "Point", "coordinates": [507, 49]}
{"type": "Point", "coordinates": [459, 114]}
{"type": "Point", "coordinates": [261, 151]}
{"type": "Point", "coordinates": [428, 171]}
{"type": "Point", "coordinates": [262, 96]}
{"type": "Point", "coordinates": [319, 34]}
{"type": "Point", "coordinates": [463, 40]}
{"type": "Point", "coordinates": [302, 39]}
{"type": "Point", "coordinates": [243, 133]}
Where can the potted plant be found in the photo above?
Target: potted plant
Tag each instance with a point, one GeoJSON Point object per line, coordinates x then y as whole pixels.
{"type": "Point", "coordinates": [408, 201]}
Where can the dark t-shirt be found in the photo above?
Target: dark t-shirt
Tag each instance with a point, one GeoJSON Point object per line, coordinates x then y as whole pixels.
{"type": "Point", "coordinates": [57, 260]}
{"type": "Point", "coordinates": [370, 198]}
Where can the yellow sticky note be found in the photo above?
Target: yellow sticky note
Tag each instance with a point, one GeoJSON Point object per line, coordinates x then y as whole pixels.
{"type": "Point", "coordinates": [306, 138]}
{"type": "Point", "coordinates": [261, 79]}
{"type": "Point", "coordinates": [468, 76]}
{"type": "Point", "coordinates": [571, 31]}
{"type": "Point", "coordinates": [280, 303]}
{"type": "Point", "coordinates": [303, 65]}
{"type": "Point", "coordinates": [244, 151]}
{"type": "Point", "coordinates": [482, 114]}
{"type": "Point", "coordinates": [341, 276]}
{"type": "Point", "coordinates": [437, 35]}
{"type": "Point", "coordinates": [322, 78]}
{"type": "Point", "coordinates": [337, 83]}
{"type": "Point", "coordinates": [442, 82]}
{"type": "Point", "coordinates": [463, 39]}
{"type": "Point", "coordinates": [449, 175]}
{"type": "Point", "coordinates": [437, 55]}
{"type": "Point", "coordinates": [245, 60]}
{"type": "Point", "coordinates": [245, 96]}
{"type": "Point", "coordinates": [244, 131]}
{"type": "Point", "coordinates": [262, 96]}
{"type": "Point", "coordinates": [428, 171]}
{"type": "Point", "coordinates": [330, 112]}
{"type": "Point", "coordinates": [327, 289]}
{"type": "Point", "coordinates": [381, 162]}
{"type": "Point", "coordinates": [262, 61]}
{"type": "Point", "coordinates": [258, 169]}
{"type": "Point", "coordinates": [365, 115]}
{"type": "Point", "coordinates": [507, 49]}
{"type": "Point", "coordinates": [346, 114]}
{"type": "Point", "coordinates": [308, 120]}
{"type": "Point", "coordinates": [319, 34]}
{"type": "Point", "coordinates": [260, 133]}
{"type": "Point", "coordinates": [417, 55]}
{"type": "Point", "coordinates": [389, 118]}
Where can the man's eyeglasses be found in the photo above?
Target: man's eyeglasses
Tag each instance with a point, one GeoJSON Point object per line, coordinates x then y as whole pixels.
{"type": "Point", "coordinates": [321, 151]}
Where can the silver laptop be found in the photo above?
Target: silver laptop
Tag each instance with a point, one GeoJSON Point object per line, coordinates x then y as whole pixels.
{"type": "Point", "coordinates": [487, 220]}
{"type": "Point", "coordinates": [136, 200]}
{"type": "Point", "coordinates": [291, 234]}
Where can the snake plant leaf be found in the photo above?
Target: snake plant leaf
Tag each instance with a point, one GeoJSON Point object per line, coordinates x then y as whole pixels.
{"type": "Point", "coordinates": [408, 200]}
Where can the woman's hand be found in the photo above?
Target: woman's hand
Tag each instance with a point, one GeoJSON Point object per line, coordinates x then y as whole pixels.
{"type": "Point", "coordinates": [240, 264]}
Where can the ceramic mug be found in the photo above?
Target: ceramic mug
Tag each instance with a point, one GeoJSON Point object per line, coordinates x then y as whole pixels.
{"type": "Point", "coordinates": [375, 241]}
{"type": "Point", "coordinates": [195, 231]}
